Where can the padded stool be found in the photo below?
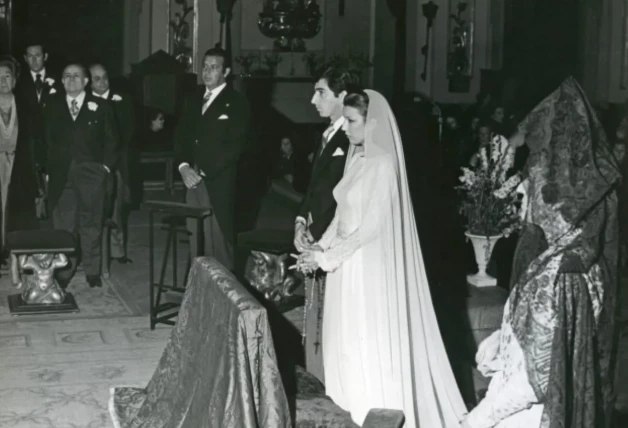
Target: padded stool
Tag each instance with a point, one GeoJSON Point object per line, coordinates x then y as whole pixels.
{"type": "Point", "coordinates": [40, 241]}
{"type": "Point", "coordinates": [177, 212]}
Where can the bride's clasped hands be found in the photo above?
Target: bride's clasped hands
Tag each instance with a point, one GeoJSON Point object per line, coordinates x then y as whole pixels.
{"type": "Point", "coordinates": [306, 261]}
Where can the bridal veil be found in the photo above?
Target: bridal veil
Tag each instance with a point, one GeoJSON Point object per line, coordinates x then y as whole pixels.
{"type": "Point", "coordinates": [402, 312]}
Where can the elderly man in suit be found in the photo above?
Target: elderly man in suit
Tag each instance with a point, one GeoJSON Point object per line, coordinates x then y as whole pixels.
{"type": "Point", "coordinates": [80, 132]}
{"type": "Point", "coordinates": [118, 193]}
{"type": "Point", "coordinates": [319, 206]}
{"type": "Point", "coordinates": [211, 136]}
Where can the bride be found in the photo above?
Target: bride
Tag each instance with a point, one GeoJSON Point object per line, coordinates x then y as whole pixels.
{"type": "Point", "coordinates": [381, 342]}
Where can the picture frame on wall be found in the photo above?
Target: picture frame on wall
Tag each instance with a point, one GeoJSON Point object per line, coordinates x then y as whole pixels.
{"type": "Point", "coordinates": [183, 32]}
{"type": "Point", "coordinates": [460, 45]}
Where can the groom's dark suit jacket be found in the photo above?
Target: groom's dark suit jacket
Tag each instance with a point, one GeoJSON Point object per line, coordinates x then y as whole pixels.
{"type": "Point", "coordinates": [91, 138]}
{"type": "Point", "coordinates": [326, 173]}
{"type": "Point", "coordinates": [214, 142]}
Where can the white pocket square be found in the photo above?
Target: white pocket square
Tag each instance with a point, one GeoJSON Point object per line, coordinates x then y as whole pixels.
{"type": "Point", "coordinates": [338, 152]}
{"type": "Point", "coordinates": [223, 117]}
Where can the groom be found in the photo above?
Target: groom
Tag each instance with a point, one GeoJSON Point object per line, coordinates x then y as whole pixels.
{"type": "Point", "coordinates": [319, 205]}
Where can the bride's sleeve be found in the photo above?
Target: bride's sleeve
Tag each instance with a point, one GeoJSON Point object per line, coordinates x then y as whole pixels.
{"type": "Point", "coordinates": [379, 181]}
{"type": "Point", "coordinates": [329, 233]}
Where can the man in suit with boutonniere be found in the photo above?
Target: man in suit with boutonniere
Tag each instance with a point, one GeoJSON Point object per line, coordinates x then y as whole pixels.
{"type": "Point", "coordinates": [319, 205]}
{"type": "Point", "coordinates": [34, 89]}
{"type": "Point", "coordinates": [118, 193]}
{"type": "Point", "coordinates": [211, 136]}
{"type": "Point", "coordinates": [80, 132]}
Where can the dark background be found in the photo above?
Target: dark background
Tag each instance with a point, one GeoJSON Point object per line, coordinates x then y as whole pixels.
{"type": "Point", "coordinates": [541, 39]}
{"type": "Point", "coordinates": [83, 30]}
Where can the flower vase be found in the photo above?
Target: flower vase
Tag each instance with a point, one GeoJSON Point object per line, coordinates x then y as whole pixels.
{"type": "Point", "coordinates": [483, 248]}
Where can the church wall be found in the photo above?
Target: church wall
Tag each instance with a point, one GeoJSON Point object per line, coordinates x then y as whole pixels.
{"type": "Point", "coordinates": [342, 32]}
{"type": "Point", "coordinates": [488, 33]}
{"type": "Point", "coordinates": [611, 79]}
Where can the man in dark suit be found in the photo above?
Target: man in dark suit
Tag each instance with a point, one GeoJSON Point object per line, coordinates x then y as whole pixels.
{"type": "Point", "coordinates": [80, 132]}
{"type": "Point", "coordinates": [118, 193]}
{"type": "Point", "coordinates": [34, 89]}
{"type": "Point", "coordinates": [319, 206]}
{"type": "Point", "coordinates": [211, 136]}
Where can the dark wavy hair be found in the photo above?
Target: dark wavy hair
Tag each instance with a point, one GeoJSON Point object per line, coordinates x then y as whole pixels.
{"type": "Point", "coordinates": [12, 64]}
{"type": "Point", "coordinates": [339, 80]}
{"type": "Point", "coordinates": [359, 100]}
{"type": "Point", "coordinates": [219, 52]}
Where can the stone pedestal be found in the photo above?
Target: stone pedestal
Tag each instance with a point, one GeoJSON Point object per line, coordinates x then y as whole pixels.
{"type": "Point", "coordinates": [18, 306]}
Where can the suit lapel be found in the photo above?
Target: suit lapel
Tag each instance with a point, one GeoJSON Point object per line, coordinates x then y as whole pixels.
{"type": "Point", "coordinates": [218, 101]}
{"type": "Point", "coordinates": [81, 114]}
{"type": "Point", "coordinates": [31, 92]}
{"type": "Point", "coordinates": [326, 155]}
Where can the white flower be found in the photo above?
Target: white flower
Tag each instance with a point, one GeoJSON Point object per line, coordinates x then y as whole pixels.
{"type": "Point", "coordinates": [483, 160]}
{"type": "Point", "coordinates": [50, 81]}
{"type": "Point", "coordinates": [52, 91]}
{"type": "Point", "coordinates": [468, 177]}
{"type": "Point", "coordinates": [116, 97]}
{"type": "Point", "coordinates": [508, 187]}
{"type": "Point", "coordinates": [92, 106]}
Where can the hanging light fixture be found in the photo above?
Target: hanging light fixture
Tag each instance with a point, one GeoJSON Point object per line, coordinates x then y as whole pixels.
{"type": "Point", "coordinates": [289, 22]}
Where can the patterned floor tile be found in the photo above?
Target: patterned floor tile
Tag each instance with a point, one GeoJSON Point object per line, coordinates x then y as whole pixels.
{"type": "Point", "coordinates": [15, 341]}
{"type": "Point", "coordinates": [80, 338]}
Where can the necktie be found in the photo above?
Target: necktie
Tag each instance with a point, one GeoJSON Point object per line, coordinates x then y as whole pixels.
{"type": "Point", "coordinates": [206, 99]}
{"type": "Point", "coordinates": [38, 84]}
{"type": "Point", "coordinates": [74, 109]}
{"type": "Point", "coordinates": [325, 138]}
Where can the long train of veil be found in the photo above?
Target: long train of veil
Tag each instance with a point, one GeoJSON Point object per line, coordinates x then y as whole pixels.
{"type": "Point", "coordinates": [418, 360]}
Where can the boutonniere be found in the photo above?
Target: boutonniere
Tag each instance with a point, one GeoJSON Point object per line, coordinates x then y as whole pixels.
{"type": "Point", "coordinates": [116, 97]}
{"type": "Point", "coordinates": [52, 91]}
{"type": "Point", "coordinates": [227, 105]}
{"type": "Point", "coordinates": [92, 106]}
{"type": "Point", "coordinates": [50, 81]}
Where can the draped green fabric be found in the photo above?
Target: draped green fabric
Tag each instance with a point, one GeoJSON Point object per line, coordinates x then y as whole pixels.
{"type": "Point", "coordinates": [219, 368]}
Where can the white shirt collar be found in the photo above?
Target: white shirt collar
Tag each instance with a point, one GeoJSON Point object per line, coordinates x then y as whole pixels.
{"type": "Point", "coordinates": [105, 94]}
{"type": "Point", "coordinates": [41, 72]}
{"type": "Point", "coordinates": [79, 99]}
{"type": "Point", "coordinates": [335, 127]}
{"type": "Point", "coordinates": [216, 91]}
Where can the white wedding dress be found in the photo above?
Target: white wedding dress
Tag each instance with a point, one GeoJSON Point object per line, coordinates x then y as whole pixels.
{"type": "Point", "coordinates": [381, 342]}
{"type": "Point", "coordinates": [352, 373]}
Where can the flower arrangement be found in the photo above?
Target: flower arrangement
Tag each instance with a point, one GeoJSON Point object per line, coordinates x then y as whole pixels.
{"type": "Point", "coordinates": [272, 60]}
{"type": "Point", "coordinates": [246, 62]}
{"type": "Point", "coordinates": [489, 198]}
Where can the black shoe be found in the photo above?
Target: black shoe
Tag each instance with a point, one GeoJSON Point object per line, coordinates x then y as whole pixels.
{"type": "Point", "coordinates": [124, 260]}
{"type": "Point", "coordinates": [94, 281]}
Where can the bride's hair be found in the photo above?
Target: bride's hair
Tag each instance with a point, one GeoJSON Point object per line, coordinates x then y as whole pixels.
{"type": "Point", "coordinates": [359, 100]}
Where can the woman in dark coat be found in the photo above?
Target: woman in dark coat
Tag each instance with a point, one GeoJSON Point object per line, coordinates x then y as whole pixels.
{"type": "Point", "coordinates": [18, 168]}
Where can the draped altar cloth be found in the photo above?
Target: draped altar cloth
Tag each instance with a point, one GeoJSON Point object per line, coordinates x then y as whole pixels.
{"type": "Point", "coordinates": [219, 368]}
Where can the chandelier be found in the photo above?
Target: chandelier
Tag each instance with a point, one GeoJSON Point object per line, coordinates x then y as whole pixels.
{"type": "Point", "coordinates": [289, 22]}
